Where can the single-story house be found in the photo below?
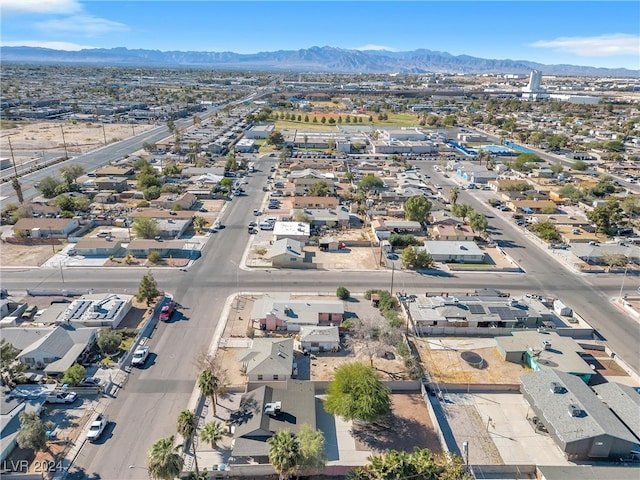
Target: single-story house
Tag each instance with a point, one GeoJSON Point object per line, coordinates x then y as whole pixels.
{"type": "Point", "coordinates": [175, 202]}
{"type": "Point", "coordinates": [324, 216]}
{"type": "Point", "coordinates": [245, 145]}
{"type": "Point", "coordinates": [277, 311]}
{"type": "Point", "coordinates": [314, 202]}
{"type": "Point", "coordinates": [303, 179]}
{"type": "Point", "coordinates": [113, 171]}
{"type": "Point", "coordinates": [599, 253]}
{"type": "Point", "coordinates": [46, 227]}
{"type": "Point", "coordinates": [579, 423]}
{"type": "Point", "coordinates": [287, 253]}
{"type": "Point", "coordinates": [531, 206]}
{"type": "Point", "coordinates": [97, 310]}
{"type": "Point", "coordinates": [457, 232]}
{"type": "Point", "coordinates": [159, 213]}
{"type": "Point", "coordinates": [268, 359]}
{"type": "Point", "coordinates": [44, 209]}
{"type": "Point", "coordinates": [51, 350]}
{"type": "Point", "coordinates": [116, 184]}
{"type": "Point", "coordinates": [319, 339]}
{"type": "Point", "coordinates": [98, 247]}
{"type": "Point", "coordinates": [141, 247]}
{"type": "Point", "coordinates": [624, 402]}
{"type": "Point", "coordinates": [540, 350]}
{"type": "Point", "coordinates": [265, 411]}
{"type": "Point", "coordinates": [454, 251]}
{"type": "Point", "coordinates": [328, 244]}
{"type": "Point", "coordinates": [299, 231]}
{"type": "Point", "coordinates": [476, 174]}
{"type": "Point", "coordinates": [170, 228]}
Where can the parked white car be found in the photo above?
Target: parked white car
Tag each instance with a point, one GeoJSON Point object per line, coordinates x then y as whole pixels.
{"type": "Point", "coordinates": [140, 356]}
{"type": "Point", "coordinates": [97, 427]}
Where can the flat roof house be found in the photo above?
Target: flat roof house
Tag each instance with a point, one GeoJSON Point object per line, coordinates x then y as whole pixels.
{"type": "Point", "coordinates": [277, 311]}
{"type": "Point", "coordinates": [454, 251]}
{"type": "Point", "coordinates": [299, 231]}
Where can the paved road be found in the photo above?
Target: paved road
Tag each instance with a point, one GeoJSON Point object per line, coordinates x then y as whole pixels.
{"type": "Point", "coordinates": [154, 396]}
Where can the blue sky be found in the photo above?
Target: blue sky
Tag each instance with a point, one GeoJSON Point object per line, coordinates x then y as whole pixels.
{"type": "Point", "coordinates": [594, 33]}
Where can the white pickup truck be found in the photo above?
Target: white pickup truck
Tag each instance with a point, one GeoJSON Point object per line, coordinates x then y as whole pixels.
{"type": "Point", "coordinates": [97, 427]}
{"type": "Point", "coordinates": [140, 356]}
{"type": "Point", "coordinates": [61, 397]}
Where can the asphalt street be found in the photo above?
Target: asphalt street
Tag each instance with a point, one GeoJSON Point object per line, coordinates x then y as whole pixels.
{"type": "Point", "coordinates": [147, 407]}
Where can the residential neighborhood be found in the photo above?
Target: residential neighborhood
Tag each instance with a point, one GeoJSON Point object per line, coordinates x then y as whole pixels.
{"type": "Point", "coordinates": [469, 263]}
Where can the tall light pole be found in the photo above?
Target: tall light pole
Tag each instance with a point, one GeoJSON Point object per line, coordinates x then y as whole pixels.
{"type": "Point", "coordinates": [626, 266]}
{"type": "Point", "coordinates": [237, 284]}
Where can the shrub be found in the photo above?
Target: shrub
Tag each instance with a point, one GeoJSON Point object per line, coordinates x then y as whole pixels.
{"type": "Point", "coordinates": [154, 257]}
{"type": "Point", "coordinates": [342, 293]}
{"type": "Point", "coordinates": [251, 332]}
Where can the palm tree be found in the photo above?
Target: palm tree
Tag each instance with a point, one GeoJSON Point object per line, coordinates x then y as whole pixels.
{"type": "Point", "coordinates": [163, 460]}
{"type": "Point", "coordinates": [284, 453]}
{"type": "Point", "coordinates": [212, 432]}
{"type": "Point", "coordinates": [188, 427]}
{"type": "Point", "coordinates": [209, 385]}
{"type": "Point", "coordinates": [453, 194]}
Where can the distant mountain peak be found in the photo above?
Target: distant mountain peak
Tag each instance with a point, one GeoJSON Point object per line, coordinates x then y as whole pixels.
{"type": "Point", "coordinates": [326, 59]}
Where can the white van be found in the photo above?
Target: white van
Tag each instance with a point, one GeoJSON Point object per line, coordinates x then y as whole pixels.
{"type": "Point", "coordinates": [265, 226]}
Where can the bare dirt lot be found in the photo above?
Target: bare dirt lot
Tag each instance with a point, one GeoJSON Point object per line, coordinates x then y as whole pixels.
{"type": "Point", "coordinates": [408, 427]}
{"type": "Point", "coordinates": [30, 140]}
{"type": "Point", "coordinates": [446, 365]}
{"type": "Point", "coordinates": [26, 255]}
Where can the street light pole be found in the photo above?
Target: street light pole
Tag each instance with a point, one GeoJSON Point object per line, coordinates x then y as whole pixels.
{"type": "Point", "coordinates": [626, 266]}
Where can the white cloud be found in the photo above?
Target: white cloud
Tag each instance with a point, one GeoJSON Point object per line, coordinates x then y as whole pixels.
{"type": "Point", "coordinates": [375, 47]}
{"type": "Point", "coordinates": [82, 25]}
{"type": "Point", "coordinates": [601, 46]}
{"type": "Point", "coordinates": [40, 6]}
{"type": "Point", "coordinates": [71, 47]}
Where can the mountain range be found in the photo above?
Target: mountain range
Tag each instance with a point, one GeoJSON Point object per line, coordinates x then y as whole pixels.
{"type": "Point", "coordinates": [313, 60]}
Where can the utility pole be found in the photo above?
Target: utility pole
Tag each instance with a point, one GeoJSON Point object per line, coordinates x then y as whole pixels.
{"type": "Point", "coordinates": [64, 143]}
{"type": "Point", "coordinates": [13, 160]}
{"type": "Point", "coordinates": [104, 135]}
{"type": "Point", "coordinates": [393, 270]}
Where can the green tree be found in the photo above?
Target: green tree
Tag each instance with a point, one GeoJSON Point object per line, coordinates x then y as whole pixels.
{"type": "Point", "coordinates": [312, 451]}
{"type": "Point", "coordinates": [356, 393]}
{"type": "Point", "coordinates": [605, 217]}
{"type": "Point", "coordinates": [342, 293]}
{"type": "Point", "coordinates": [319, 189]}
{"type": "Point", "coordinates": [579, 165]}
{"type": "Point", "coordinates": [152, 192]}
{"type": "Point", "coordinates": [148, 289]}
{"type": "Point", "coordinates": [149, 147]}
{"type": "Point", "coordinates": [558, 168]}
{"type": "Point", "coordinates": [8, 359]}
{"type": "Point", "coordinates": [71, 173]}
{"type": "Point", "coordinates": [284, 453]}
{"type": "Point", "coordinates": [462, 210]}
{"type": "Point", "coordinates": [417, 209]}
{"type": "Point", "coordinates": [109, 341]}
{"type": "Point", "coordinates": [212, 432]}
{"type": "Point", "coordinates": [15, 183]}
{"type": "Point", "coordinates": [154, 257]}
{"type": "Point", "coordinates": [74, 374]}
{"type": "Point", "coordinates": [545, 230]}
{"type": "Point", "coordinates": [275, 138]}
{"type": "Point", "coordinates": [65, 203]}
{"type": "Point", "coordinates": [209, 384]}
{"type": "Point", "coordinates": [187, 427]}
{"type": "Point", "coordinates": [145, 227]}
{"type": "Point", "coordinates": [47, 186]}
{"type": "Point", "coordinates": [199, 223]}
{"type": "Point", "coordinates": [453, 194]}
{"type": "Point", "coordinates": [416, 258]}
{"type": "Point", "coordinates": [82, 204]}
{"type": "Point", "coordinates": [478, 222]}
{"type": "Point", "coordinates": [370, 183]}
{"type": "Point", "coordinates": [631, 205]}
{"type": "Point", "coordinates": [148, 179]}
{"type": "Point", "coordinates": [163, 460]}
{"type": "Point", "coordinates": [33, 432]}
{"type": "Point", "coordinates": [571, 192]}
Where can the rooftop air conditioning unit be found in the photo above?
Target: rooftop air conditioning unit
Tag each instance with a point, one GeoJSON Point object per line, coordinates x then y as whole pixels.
{"type": "Point", "coordinates": [273, 408]}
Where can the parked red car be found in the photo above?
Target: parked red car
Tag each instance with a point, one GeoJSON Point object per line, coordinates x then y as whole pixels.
{"type": "Point", "coordinates": [166, 312]}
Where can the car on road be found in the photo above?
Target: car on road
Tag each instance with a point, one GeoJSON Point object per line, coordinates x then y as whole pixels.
{"type": "Point", "coordinates": [217, 225]}
{"type": "Point", "coordinates": [257, 212]}
{"type": "Point", "coordinates": [392, 256]}
{"type": "Point", "coordinates": [166, 312]}
{"type": "Point", "coordinates": [61, 397]}
{"type": "Point", "coordinates": [97, 427]}
{"type": "Point", "coordinates": [140, 356]}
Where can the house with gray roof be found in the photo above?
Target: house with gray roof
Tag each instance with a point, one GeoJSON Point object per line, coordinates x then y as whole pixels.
{"type": "Point", "coordinates": [599, 253]}
{"type": "Point", "coordinates": [544, 350]}
{"type": "Point", "coordinates": [580, 424]}
{"type": "Point", "coordinates": [624, 402]}
{"type": "Point", "coordinates": [320, 338]}
{"type": "Point", "coordinates": [323, 216]}
{"type": "Point", "coordinates": [277, 311]}
{"type": "Point", "coordinates": [287, 253]}
{"type": "Point", "coordinates": [268, 359]}
{"type": "Point", "coordinates": [97, 310]}
{"type": "Point", "coordinates": [454, 251]}
{"type": "Point", "coordinates": [267, 410]}
{"type": "Point", "coordinates": [51, 350]}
